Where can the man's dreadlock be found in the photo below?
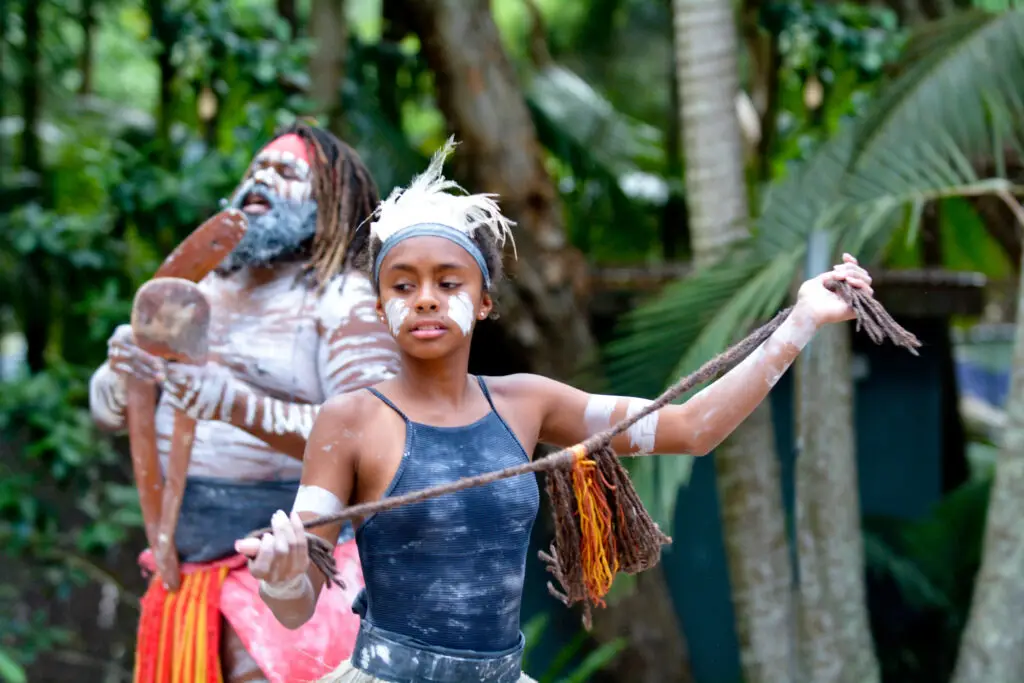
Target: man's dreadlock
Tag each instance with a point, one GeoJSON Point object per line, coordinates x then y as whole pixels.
{"type": "Point", "coordinates": [346, 196]}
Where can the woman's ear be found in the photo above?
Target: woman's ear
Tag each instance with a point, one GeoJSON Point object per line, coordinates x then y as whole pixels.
{"type": "Point", "coordinates": [379, 307]}
{"type": "Point", "coordinates": [486, 306]}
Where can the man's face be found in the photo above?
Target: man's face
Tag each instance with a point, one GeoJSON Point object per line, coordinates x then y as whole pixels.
{"type": "Point", "coordinates": [276, 196]}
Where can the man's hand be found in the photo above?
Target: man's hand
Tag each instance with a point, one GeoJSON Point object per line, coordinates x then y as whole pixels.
{"type": "Point", "coordinates": [824, 306]}
{"type": "Point", "coordinates": [200, 390]}
{"type": "Point", "coordinates": [128, 360]}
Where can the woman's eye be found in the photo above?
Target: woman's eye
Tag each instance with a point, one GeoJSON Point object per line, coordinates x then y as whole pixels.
{"type": "Point", "coordinates": [450, 285]}
{"type": "Point", "coordinates": [403, 287]}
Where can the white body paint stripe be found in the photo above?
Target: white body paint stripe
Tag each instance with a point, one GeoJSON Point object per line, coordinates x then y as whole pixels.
{"type": "Point", "coordinates": [317, 500]}
{"type": "Point", "coordinates": [598, 414]}
{"type": "Point", "coordinates": [642, 434]}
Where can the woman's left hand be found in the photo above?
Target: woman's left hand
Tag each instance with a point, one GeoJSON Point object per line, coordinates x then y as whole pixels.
{"type": "Point", "coordinates": [825, 306]}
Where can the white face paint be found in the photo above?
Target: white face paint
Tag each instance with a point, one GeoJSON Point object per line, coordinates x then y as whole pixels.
{"type": "Point", "coordinates": [396, 312]}
{"type": "Point", "coordinates": [460, 311]}
{"type": "Point", "coordinates": [283, 172]}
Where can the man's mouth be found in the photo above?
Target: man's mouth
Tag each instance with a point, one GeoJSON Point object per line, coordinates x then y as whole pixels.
{"type": "Point", "coordinates": [255, 203]}
{"type": "Point", "coordinates": [428, 329]}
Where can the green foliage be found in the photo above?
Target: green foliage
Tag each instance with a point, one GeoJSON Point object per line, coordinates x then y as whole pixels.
{"type": "Point", "coordinates": [911, 147]}
{"type": "Point", "coordinates": [844, 48]}
{"type": "Point", "coordinates": [921, 577]}
{"type": "Point", "coordinates": [560, 669]}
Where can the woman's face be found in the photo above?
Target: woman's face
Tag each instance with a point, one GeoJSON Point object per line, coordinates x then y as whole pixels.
{"type": "Point", "coordinates": [431, 296]}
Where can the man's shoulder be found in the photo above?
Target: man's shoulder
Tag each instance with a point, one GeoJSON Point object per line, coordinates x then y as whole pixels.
{"type": "Point", "coordinates": [346, 294]}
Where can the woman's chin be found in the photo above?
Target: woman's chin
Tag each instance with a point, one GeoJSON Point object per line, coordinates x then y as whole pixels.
{"type": "Point", "coordinates": [434, 348]}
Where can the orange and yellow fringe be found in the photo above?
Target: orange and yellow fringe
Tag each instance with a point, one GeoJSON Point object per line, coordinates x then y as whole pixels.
{"type": "Point", "coordinates": [179, 632]}
{"type": "Point", "coordinates": [598, 553]}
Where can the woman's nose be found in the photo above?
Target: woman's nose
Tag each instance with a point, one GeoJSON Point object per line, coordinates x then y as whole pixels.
{"type": "Point", "coordinates": [426, 301]}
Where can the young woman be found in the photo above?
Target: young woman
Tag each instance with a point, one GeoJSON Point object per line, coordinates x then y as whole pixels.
{"type": "Point", "coordinates": [444, 577]}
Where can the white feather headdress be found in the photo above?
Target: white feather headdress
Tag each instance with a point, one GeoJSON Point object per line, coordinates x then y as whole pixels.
{"type": "Point", "coordinates": [427, 200]}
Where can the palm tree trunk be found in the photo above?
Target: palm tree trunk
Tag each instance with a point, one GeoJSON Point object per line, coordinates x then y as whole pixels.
{"type": "Point", "coordinates": [329, 29]}
{"type": "Point", "coordinates": [708, 76]}
{"type": "Point", "coordinates": [747, 466]}
{"type": "Point", "coordinates": [833, 628]}
{"type": "Point", "coordinates": [992, 647]}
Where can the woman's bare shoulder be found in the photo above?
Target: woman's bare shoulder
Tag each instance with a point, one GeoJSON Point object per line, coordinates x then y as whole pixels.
{"type": "Point", "coordinates": [521, 386]}
{"type": "Point", "coordinates": [349, 410]}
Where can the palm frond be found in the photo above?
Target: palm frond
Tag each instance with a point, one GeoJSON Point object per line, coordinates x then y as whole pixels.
{"type": "Point", "coordinates": [957, 102]}
{"type": "Point", "coordinates": [621, 146]}
{"type": "Point", "coordinates": [959, 81]}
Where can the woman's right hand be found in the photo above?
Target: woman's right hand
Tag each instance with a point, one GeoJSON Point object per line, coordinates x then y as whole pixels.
{"type": "Point", "coordinates": [281, 557]}
{"type": "Point", "coordinates": [128, 360]}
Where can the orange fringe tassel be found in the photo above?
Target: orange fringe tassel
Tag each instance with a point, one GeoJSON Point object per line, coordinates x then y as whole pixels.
{"type": "Point", "coordinates": [179, 633]}
{"type": "Point", "coordinates": [598, 552]}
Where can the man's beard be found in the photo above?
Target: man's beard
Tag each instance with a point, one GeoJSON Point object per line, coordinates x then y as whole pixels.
{"type": "Point", "coordinates": [282, 232]}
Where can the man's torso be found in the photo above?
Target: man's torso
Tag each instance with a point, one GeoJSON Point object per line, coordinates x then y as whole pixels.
{"type": "Point", "coordinates": [268, 334]}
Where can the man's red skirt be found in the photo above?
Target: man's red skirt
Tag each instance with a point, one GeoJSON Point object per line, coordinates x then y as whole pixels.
{"type": "Point", "coordinates": [179, 633]}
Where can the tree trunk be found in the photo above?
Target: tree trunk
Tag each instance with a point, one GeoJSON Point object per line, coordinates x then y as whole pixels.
{"type": "Point", "coordinates": [286, 10]}
{"type": "Point", "coordinates": [747, 467]}
{"type": "Point", "coordinates": [85, 59]}
{"type": "Point", "coordinates": [834, 631]}
{"type": "Point", "coordinates": [757, 548]}
{"type": "Point", "coordinates": [544, 325]}
{"type": "Point", "coordinates": [708, 75]}
{"type": "Point", "coordinates": [164, 36]}
{"type": "Point", "coordinates": [329, 29]}
{"type": "Point", "coordinates": [36, 298]}
{"type": "Point", "coordinates": [992, 646]}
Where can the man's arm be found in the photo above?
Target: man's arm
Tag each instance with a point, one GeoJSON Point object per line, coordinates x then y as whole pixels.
{"type": "Point", "coordinates": [108, 391]}
{"type": "Point", "coordinates": [108, 399]}
{"type": "Point", "coordinates": [355, 351]}
{"type": "Point", "coordinates": [289, 584]}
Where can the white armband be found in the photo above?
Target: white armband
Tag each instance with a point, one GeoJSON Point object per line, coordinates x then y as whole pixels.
{"type": "Point", "coordinates": [317, 500]}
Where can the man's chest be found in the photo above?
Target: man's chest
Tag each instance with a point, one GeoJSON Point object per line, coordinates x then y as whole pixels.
{"type": "Point", "coordinates": [268, 336]}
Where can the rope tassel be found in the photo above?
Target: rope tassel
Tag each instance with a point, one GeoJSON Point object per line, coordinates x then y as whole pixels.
{"type": "Point", "coordinates": [611, 528]}
{"type": "Point", "coordinates": [601, 525]}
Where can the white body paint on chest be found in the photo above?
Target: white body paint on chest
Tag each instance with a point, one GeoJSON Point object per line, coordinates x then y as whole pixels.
{"type": "Point", "coordinates": [274, 338]}
{"type": "Point", "coordinates": [460, 311]}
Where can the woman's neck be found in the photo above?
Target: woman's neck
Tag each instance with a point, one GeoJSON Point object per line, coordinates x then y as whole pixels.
{"type": "Point", "coordinates": [439, 380]}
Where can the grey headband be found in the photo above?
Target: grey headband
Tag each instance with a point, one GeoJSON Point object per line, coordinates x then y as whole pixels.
{"type": "Point", "coordinates": [433, 230]}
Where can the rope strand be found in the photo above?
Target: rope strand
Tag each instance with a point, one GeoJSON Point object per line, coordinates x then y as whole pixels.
{"type": "Point", "coordinates": [601, 525]}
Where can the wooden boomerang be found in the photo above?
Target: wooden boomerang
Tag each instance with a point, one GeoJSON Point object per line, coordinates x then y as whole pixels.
{"type": "Point", "coordinates": [193, 260]}
{"type": "Point", "coordinates": [171, 320]}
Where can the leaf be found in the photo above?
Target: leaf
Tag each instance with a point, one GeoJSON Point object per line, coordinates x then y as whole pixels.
{"type": "Point", "coordinates": [10, 670]}
{"type": "Point", "coordinates": [597, 660]}
{"type": "Point", "coordinates": [959, 77]}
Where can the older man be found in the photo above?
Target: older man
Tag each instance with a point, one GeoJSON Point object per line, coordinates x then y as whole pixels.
{"type": "Point", "coordinates": [292, 324]}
